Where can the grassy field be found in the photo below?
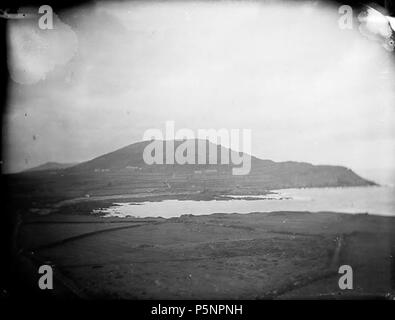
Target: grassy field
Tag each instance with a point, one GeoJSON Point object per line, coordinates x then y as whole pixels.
{"type": "Point", "coordinates": [221, 256]}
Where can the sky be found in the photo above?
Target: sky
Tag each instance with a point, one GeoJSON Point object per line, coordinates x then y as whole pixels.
{"type": "Point", "coordinates": [307, 89]}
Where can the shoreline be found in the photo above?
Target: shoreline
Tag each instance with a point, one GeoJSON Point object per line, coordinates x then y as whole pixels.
{"type": "Point", "coordinates": [87, 205]}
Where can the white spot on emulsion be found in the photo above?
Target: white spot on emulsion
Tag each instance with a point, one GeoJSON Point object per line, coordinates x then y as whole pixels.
{"type": "Point", "coordinates": [34, 53]}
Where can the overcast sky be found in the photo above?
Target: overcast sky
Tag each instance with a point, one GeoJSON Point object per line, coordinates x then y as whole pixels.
{"type": "Point", "coordinates": [308, 90]}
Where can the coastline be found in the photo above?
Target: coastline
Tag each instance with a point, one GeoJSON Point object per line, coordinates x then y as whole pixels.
{"type": "Point", "coordinates": [98, 204]}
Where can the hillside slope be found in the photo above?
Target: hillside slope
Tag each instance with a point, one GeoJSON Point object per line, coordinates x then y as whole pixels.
{"type": "Point", "coordinates": [264, 173]}
{"type": "Point", "coordinates": [51, 166]}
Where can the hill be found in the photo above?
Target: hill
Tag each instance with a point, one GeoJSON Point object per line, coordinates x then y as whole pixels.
{"type": "Point", "coordinates": [266, 174]}
{"type": "Point", "coordinates": [51, 166]}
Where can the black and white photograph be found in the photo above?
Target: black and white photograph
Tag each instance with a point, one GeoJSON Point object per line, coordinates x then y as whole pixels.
{"type": "Point", "coordinates": [198, 150]}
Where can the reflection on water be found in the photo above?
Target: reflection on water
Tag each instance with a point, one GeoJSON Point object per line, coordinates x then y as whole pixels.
{"type": "Point", "coordinates": [372, 200]}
